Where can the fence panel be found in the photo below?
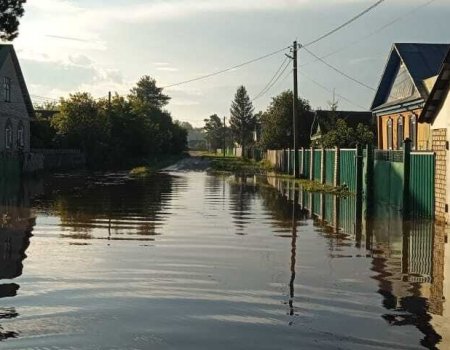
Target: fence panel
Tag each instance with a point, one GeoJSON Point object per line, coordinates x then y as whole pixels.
{"type": "Point", "coordinates": [348, 169]}
{"type": "Point", "coordinates": [329, 166]}
{"type": "Point", "coordinates": [317, 164]}
{"type": "Point", "coordinates": [422, 184]}
{"type": "Point", "coordinates": [307, 163]}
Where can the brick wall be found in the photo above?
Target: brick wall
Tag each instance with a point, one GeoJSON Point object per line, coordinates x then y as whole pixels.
{"type": "Point", "coordinates": [439, 146]}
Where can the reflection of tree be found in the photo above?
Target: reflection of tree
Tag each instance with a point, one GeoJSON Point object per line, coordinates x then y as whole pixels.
{"type": "Point", "coordinates": [241, 196]}
{"type": "Point", "coordinates": [115, 204]}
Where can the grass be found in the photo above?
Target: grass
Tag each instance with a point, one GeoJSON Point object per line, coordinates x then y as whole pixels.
{"type": "Point", "coordinates": [141, 171]}
{"type": "Point", "coordinates": [315, 186]}
{"type": "Point", "coordinates": [153, 165]}
{"type": "Point", "coordinates": [237, 165]}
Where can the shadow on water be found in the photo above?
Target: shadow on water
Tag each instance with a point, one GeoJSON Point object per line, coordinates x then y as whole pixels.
{"type": "Point", "coordinates": [16, 226]}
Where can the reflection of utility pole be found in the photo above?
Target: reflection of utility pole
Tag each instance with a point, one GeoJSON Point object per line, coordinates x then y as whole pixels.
{"type": "Point", "coordinates": [293, 255]}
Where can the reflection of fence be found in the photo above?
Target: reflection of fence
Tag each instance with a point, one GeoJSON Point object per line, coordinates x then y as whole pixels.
{"type": "Point", "coordinates": [403, 179]}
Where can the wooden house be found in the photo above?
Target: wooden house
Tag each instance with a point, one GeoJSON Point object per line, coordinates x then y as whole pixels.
{"type": "Point", "coordinates": [16, 109]}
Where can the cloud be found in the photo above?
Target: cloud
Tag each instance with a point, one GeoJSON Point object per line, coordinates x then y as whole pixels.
{"type": "Point", "coordinates": [167, 69]}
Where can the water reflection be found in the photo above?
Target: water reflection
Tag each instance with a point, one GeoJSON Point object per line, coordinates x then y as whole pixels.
{"type": "Point", "coordinates": [16, 226]}
{"type": "Point", "coordinates": [249, 259]}
{"type": "Point", "coordinates": [107, 206]}
{"type": "Point", "coordinates": [408, 258]}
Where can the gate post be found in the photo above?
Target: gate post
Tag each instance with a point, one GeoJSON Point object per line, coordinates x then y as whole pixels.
{"type": "Point", "coordinates": [337, 167]}
{"type": "Point", "coordinates": [359, 187]}
{"type": "Point", "coordinates": [370, 159]}
{"type": "Point", "coordinates": [406, 178]}
{"type": "Point", "coordinates": [323, 166]}
{"type": "Point", "coordinates": [311, 165]}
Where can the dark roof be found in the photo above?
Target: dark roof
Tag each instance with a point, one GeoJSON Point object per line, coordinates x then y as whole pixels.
{"type": "Point", "coordinates": [438, 93]}
{"type": "Point", "coordinates": [352, 118]}
{"type": "Point", "coordinates": [5, 51]}
{"type": "Point", "coordinates": [421, 60]}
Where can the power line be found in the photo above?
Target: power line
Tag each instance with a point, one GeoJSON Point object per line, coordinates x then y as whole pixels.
{"type": "Point", "coordinates": [226, 69]}
{"type": "Point", "coordinates": [330, 91]}
{"type": "Point", "coordinates": [351, 20]}
{"type": "Point", "coordinates": [339, 71]}
{"type": "Point", "coordinates": [274, 79]}
{"type": "Point", "coordinates": [376, 31]}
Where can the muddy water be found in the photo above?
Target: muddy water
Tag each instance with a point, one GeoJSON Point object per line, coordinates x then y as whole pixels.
{"type": "Point", "coordinates": [191, 261]}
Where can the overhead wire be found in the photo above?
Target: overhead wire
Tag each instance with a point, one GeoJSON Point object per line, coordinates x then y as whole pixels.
{"type": "Point", "coordinates": [274, 79]}
{"type": "Point", "coordinates": [374, 32]}
{"type": "Point", "coordinates": [331, 91]}
{"type": "Point", "coordinates": [346, 23]}
{"type": "Point", "coordinates": [227, 69]}
{"type": "Point", "coordinates": [339, 71]}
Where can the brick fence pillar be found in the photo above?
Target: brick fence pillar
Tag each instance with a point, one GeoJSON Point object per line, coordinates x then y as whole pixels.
{"type": "Point", "coordinates": [439, 146]}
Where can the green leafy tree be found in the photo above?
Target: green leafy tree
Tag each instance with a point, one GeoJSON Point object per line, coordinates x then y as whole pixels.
{"type": "Point", "coordinates": [276, 122]}
{"type": "Point", "coordinates": [10, 12]}
{"type": "Point", "coordinates": [342, 135]}
{"type": "Point", "coordinates": [242, 121]}
{"type": "Point", "coordinates": [82, 123]}
{"type": "Point", "coordinates": [214, 132]}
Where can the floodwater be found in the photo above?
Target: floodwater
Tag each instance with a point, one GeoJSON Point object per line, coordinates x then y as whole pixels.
{"type": "Point", "coordinates": [193, 261]}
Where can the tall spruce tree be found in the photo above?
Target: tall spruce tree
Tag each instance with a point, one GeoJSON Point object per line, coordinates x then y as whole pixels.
{"type": "Point", "coordinates": [10, 12]}
{"type": "Point", "coordinates": [242, 121]}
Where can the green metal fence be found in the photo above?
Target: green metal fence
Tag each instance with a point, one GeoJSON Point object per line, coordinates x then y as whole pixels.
{"type": "Point", "coordinates": [348, 169]}
{"type": "Point", "coordinates": [421, 185]}
{"type": "Point", "coordinates": [329, 166]}
{"type": "Point", "coordinates": [317, 164]}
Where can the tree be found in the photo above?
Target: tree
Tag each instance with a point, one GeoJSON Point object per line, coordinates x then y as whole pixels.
{"type": "Point", "coordinates": [82, 123]}
{"type": "Point", "coordinates": [214, 132]}
{"type": "Point", "coordinates": [242, 121]}
{"type": "Point", "coordinates": [10, 12]}
{"type": "Point", "coordinates": [276, 121]}
{"type": "Point", "coordinates": [342, 135]}
{"type": "Point", "coordinates": [148, 93]}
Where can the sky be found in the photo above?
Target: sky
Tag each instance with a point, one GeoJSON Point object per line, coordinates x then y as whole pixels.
{"type": "Point", "coordinates": [68, 46]}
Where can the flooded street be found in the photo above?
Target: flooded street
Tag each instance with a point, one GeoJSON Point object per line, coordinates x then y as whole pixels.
{"type": "Point", "coordinates": [195, 261]}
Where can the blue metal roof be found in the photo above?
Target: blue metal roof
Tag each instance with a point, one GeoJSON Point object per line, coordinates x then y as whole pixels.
{"type": "Point", "coordinates": [421, 60]}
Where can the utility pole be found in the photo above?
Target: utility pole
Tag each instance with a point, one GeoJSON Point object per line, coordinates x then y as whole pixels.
{"type": "Point", "coordinates": [224, 137]}
{"type": "Point", "coordinates": [295, 121]}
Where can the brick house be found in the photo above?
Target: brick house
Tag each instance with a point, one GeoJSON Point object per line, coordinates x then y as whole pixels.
{"type": "Point", "coordinates": [16, 109]}
{"type": "Point", "coordinates": [403, 92]}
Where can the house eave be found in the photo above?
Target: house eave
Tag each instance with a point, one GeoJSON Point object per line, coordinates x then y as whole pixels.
{"type": "Point", "coordinates": [399, 108]}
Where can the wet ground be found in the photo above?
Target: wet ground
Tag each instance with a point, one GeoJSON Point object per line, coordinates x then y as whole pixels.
{"type": "Point", "coordinates": [191, 261]}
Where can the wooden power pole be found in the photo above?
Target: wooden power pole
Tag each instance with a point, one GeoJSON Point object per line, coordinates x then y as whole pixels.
{"type": "Point", "coordinates": [295, 121]}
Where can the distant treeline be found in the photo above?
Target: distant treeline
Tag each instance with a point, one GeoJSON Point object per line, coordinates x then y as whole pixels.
{"type": "Point", "coordinates": [116, 132]}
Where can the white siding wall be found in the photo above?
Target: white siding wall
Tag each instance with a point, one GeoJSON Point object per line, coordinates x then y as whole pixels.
{"type": "Point", "coordinates": [15, 110]}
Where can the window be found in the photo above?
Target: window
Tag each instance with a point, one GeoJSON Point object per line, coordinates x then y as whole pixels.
{"type": "Point", "coordinates": [8, 135]}
{"type": "Point", "coordinates": [20, 136]}
{"type": "Point", "coordinates": [413, 131]}
{"type": "Point", "coordinates": [7, 89]}
{"type": "Point", "coordinates": [400, 132]}
{"type": "Point", "coordinates": [389, 133]}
